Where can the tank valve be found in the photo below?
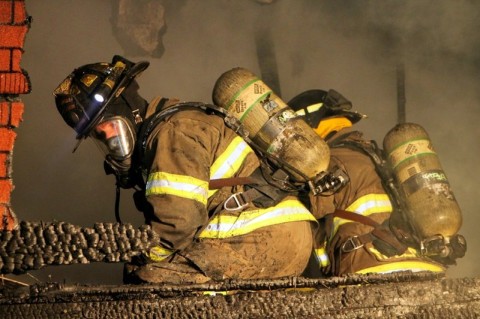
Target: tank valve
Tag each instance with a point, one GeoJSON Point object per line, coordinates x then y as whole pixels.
{"type": "Point", "coordinates": [327, 183]}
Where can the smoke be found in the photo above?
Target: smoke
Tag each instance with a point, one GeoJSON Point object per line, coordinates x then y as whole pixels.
{"type": "Point", "coordinates": [349, 45]}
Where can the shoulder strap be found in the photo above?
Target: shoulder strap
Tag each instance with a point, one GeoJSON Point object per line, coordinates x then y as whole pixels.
{"type": "Point", "coordinates": [229, 182]}
{"type": "Point", "coordinates": [353, 140]}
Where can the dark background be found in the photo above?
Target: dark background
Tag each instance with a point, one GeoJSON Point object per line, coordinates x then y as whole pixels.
{"type": "Point", "coordinates": [351, 46]}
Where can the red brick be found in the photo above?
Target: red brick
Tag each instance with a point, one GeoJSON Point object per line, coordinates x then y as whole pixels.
{"type": "Point", "coordinates": [20, 12]}
{"type": "Point", "coordinates": [16, 112]}
{"type": "Point", "coordinates": [5, 59]}
{"type": "Point", "coordinates": [7, 138]}
{"type": "Point", "coordinates": [16, 59]}
{"type": "Point", "coordinates": [6, 13]}
{"type": "Point", "coordinates": [12, 36]}
{"type": "Point", "coordinates": [5, 113]}
{"type": "Point", "coordinates": [14, 83]}
{"type": "Point", "coordinates": [4, 165]}
{"type": "Point", "coordinates": [6, 188]}
{"type": "Point", "coordinates": [8, 219]}
{"type": "Point", "coordinates": [10, 59]}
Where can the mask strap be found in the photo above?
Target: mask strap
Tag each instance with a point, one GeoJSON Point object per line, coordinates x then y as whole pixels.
{"type": "Point", "coordinates": [117, 204]}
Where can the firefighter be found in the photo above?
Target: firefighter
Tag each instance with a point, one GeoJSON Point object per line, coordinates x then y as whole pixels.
{"type": "Point", "coordinates": [172, 153]}
{"type": "Point", "coordinates": [355, 238]}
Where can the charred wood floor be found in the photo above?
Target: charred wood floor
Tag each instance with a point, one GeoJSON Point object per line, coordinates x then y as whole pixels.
{"type": "Point", "coordinates": [36, 245]}
{"type": "Point", "coordinates": [400, 295]}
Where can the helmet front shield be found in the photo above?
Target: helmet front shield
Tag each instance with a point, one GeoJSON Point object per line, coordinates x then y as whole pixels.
{"type": "Point", "coordinates": [85, 94]}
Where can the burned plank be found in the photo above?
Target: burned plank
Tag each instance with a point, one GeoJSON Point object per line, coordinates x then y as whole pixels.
{"type": "Point", "coordinates": [398, 295]}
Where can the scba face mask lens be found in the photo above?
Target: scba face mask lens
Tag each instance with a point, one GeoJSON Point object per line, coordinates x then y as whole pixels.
{"type": "Point", "coordinates": [115, 138]}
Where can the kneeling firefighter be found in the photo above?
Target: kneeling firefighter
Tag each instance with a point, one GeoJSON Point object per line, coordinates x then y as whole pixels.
{"type": "Point", "coordinates": [194, 175]}
{"type": "Point", "coordinates": [380, 222]}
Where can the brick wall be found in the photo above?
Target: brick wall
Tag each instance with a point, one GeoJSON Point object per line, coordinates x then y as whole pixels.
{"type": "Point", "coordinates": [14, 81]}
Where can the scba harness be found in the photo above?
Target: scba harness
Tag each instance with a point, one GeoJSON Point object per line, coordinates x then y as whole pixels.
{"type": "Point", "coordinates": [393, 238]}
{"type": "Point", "coordinates": [267, 186]}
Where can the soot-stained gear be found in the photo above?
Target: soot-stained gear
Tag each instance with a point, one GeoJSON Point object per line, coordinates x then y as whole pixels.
{"type": "Point", "coordinates": [271, 124]}
{"type": "Point", "coordinates": [275, 131]}
{"type": "Point", "coordinates": [426, 215]}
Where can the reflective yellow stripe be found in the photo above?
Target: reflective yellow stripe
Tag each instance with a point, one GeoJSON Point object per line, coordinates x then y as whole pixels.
{"type": "Point", "coordinates": [161, 183]}
{"type": "Point", "coordinates": [158, 253]}
{"type": "Point", "coordinates": [224, 226]}
{"type": "Point", "coordinates": [365, 205]}
{"type": "Point", "coordinates": [230, 161]}
{"type": "Point", "coordinates": [409, 253]}
{"type": "Point", "coordinates": [217, 293]}
{"type": "Point", "coordinates": [310, 109]}
{"type": "Point", "coordinates": [413, 266]}
{"type": "Point", "coordinates": [322, 257]}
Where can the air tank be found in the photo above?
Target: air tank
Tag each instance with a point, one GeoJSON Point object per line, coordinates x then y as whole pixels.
{"type": "Point", "coordinates": [429, 202]}
{"type": "Point", "coordinates": [271, 124]}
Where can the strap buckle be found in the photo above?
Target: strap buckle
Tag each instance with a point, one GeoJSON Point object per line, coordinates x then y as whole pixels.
{"type": "Point", "coordinates": [352, 243]}
{"type": "Point", "coordinates": [235, 202]}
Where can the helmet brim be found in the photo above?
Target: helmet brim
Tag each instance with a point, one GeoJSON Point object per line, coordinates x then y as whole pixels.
{"type": "Point", "coordinates": [333, 105]}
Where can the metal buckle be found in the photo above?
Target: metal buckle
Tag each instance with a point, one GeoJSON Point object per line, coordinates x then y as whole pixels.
{"type": "Point", "coordinates": [238, 200]}
{"type": "Point", "coordinates": [352, 243]}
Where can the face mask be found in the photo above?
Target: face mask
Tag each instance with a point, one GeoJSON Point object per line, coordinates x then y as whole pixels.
{"type": "Point", "coordinates": [115, 138]}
